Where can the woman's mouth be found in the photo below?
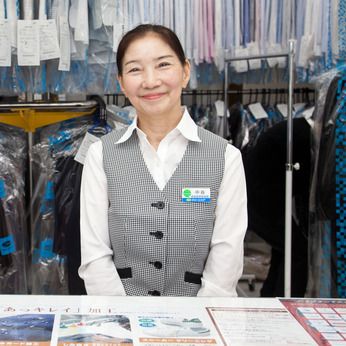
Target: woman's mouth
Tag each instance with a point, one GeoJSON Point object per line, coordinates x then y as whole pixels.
{"type": "Point", "coordinates": [154, 96]}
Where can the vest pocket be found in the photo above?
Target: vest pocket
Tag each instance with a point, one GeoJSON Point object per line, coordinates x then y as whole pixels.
{"type": "Point", "coordinates": [193, 278]}
{"type": "Point", "coordinates": [124, 273]}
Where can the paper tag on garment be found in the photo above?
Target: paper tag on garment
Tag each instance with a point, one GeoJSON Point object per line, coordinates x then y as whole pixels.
{"type": "Point", "coordinates": [220, 108]}
{"type": "Point", "coordinates": [5, 43]}
{"type": "Point", "coordinates": [96, 14]}
{"type": "Point", "coordinates": [12, 17]}
{"type": "Point", "coordinates": [258, 111]}
{"type": "Point", "coordinates": [109, 12]}
{"type": "Point", "coordinates": [275, 48]}
{"type": "Point", "coordinates": [241, 65]}
{"type": "Point", "coordinates": [195, 194]}
{"type": "Point", "coordinates": [49, 45]}
{"type": "Point", "coordinates": [283, 109]}
{"type": "Point", "coordinates": [79, 8]}
{"type": "Point", "coordinates": [254, 64]}
{"type": "Point", "coordinates": [28, 41]}
{"type": "Point", "coordinates": [118, 31]}
{"type": "Point", "coordinates": [306, 50]}
{"type": "Point", "coordinates": [83, 149]}
{"type": "Point", "coordinates": [65, 45]}
{"type": "Point", "coordinates": [297, 107]}
{"type": "Point", "coordinates": [307, 114]}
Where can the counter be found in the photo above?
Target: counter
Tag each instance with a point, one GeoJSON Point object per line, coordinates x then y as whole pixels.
{"type": "Point", "coordinates": [160, 321]}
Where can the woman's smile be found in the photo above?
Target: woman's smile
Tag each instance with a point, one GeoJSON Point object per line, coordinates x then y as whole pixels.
{"type": "Point", "coordinates": [153, 96]}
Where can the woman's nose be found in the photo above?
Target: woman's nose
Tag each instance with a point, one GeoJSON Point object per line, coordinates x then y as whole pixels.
{"type": "Point", "coordinates": [151, 79]}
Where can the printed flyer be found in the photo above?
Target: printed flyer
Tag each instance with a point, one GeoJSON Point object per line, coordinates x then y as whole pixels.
{"type": "Point", "coordinates": [174, 329]}
{"type": "Point", "coordinates": [26, 329]}
{"type": "Point", "coordinates": [323, 319]}
{"type": "Point", "coordinates": [89, 330]}
{"type": "Point", "coordinates": [258, 327]}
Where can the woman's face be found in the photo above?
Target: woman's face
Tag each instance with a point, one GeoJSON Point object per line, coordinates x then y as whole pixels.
{"type": "Point", "coordinates": [153, 77]}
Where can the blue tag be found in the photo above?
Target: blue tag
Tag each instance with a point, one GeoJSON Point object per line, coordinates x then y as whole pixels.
{"type": "Point", "coordinates": [49, 192]}
{"type": "Point", "coordinates": [204, 200]}
{"type": "Point", "coordinates": [46, 248]}
{"type": "Point", "coordinates": [2, 188]}
{"type": "Point", "coordinates": [7, 245]}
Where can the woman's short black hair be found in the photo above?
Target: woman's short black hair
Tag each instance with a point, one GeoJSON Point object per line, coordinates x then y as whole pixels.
{"type": "Point", "coordinates": [166, 34]}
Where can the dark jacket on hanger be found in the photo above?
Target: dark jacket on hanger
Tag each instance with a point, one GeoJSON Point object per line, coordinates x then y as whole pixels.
{"type": "Point", "coordinates": [265, 176]}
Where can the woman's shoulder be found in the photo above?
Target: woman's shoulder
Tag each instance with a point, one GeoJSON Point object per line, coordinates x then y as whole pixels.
{"type": "Point", "coordinates": [210, 137]}
{"type": "Point", "coordinates": [114, 135]}
{"type": "Point", "coordinates": [207, 135]}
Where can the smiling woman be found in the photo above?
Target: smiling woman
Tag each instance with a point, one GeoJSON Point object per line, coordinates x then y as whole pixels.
{"type": "Point", "coordinates": [152, 76]}
{"type": "Point", "coordinates": [163, 202]}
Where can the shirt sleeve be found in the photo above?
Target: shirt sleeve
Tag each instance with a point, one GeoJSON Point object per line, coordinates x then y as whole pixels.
{"type": "Point", "coordinates": [97, 267]}
{"type": "Point", "coordinates": [224, 264]}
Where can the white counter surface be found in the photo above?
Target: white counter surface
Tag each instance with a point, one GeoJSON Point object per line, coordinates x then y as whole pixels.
{"type": "Point", "coordinates": [158, 321]}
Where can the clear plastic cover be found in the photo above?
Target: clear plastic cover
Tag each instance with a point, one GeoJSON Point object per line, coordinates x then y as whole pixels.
{"type": "Point", "coordinates": [13, 230]}
{"type": "Point", "coordinates": [55, 204]}
{"type": "Point", "coordinates": [322, 230]}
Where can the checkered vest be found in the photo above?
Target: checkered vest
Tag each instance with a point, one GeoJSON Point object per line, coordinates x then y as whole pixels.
{"type": "Point", "coordinates": [160, 243]}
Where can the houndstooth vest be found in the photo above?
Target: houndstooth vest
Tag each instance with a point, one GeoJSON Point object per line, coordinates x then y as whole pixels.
{"type": "Point", "coordinates": [160, 243]}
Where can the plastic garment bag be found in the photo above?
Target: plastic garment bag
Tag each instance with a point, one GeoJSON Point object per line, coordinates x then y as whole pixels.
{"type": "Point", "coordinates": [322, 260]}
{"type": "Point", "coordinates": [13, 231]}
{"type": "Point", "coordinates": [48, 273]}
{"type": "Point", "coordinates": [49, 262]}
{"type": "Point", "coordinates": [264, 166]}
{"type": "Point", "coordinates": [55, 242]}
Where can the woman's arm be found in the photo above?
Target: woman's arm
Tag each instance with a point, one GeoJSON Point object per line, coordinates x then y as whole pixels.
{"type": "Point", "coordinates": [224, 265]}
{"type": "Point", "coordinates": [97, 267]}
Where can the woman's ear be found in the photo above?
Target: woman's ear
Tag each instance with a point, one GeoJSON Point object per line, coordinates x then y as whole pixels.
{"type": "Point", "coordinates": [120, 80]}
{"type": "Point", "coordinates": [186, 73]}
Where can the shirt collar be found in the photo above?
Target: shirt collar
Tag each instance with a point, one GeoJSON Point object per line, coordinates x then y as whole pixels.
{"type": "Point", "coordinates": [128, 132]}
{"type": "Point", "coordinates": [186, 127]}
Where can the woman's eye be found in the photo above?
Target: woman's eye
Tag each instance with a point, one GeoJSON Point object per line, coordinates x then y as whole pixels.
{"type": "Point", "coordinates": [134, 69]}
{"type": "Point", "coordinates": [164, 64]}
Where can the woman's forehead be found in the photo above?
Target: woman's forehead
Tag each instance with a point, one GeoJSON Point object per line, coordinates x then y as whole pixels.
{"type": "Point", "coordinates": [151, 43]}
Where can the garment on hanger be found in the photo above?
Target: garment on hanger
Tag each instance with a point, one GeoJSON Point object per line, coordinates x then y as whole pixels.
{"type": "Point", "coordinates": [49, 260]}
{"type": "Point", "coordinates": [56, 238]}
{"type": "Point", "coordinates": [322, 228]}
{"type": "Point", "coordinates": [264, 165]}
{"type": "Point", "coordinates": [13, 230]}
{"type": "Point", "coordinates": [342, 29]}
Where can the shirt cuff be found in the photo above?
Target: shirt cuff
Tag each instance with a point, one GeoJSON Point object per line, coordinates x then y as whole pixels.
{"type": "Point", "coordinates": [208, 289]}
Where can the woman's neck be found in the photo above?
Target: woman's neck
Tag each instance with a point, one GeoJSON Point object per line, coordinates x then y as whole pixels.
{"type": "Point", "coordinates": [157, 127]}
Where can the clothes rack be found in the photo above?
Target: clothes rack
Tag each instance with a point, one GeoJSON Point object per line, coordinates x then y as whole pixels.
{"type": "Point", "coordinates": [289, 164]}
{"type": "Point", "coordinates": [300, 94]}
{"type": "Point", "coordinates": [32, 115]}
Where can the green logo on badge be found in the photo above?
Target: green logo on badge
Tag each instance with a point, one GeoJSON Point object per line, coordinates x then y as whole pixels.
{"type": "Point", "coordinates": [187, 193]}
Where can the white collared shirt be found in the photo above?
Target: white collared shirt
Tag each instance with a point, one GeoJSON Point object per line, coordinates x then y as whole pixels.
{"type": "Point", "coordinates": [225, 260]}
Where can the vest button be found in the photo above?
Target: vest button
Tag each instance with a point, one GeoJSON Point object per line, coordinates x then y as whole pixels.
{"type": "Point", "coordinates": [157, 234]}
{"type": "Point", "coordinates": [158, 205]}
{"type": "Point", "coordinates": [154, 293]}
{"type": "Point", "coordinates": [158, 265]}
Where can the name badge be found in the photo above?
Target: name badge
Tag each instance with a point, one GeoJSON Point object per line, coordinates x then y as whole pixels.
{"type": "Point", "coordinates": [195, 194]}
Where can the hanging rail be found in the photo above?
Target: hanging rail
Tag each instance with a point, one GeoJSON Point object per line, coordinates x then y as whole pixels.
{"type": "Point", "coordinates": [289, 164]}
{"type": "Point", "coordinates": [82, 106]}
{"type": "Point", "coordinates": [30, 116]}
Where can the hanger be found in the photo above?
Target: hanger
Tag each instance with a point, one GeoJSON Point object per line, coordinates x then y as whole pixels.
{"type": "Point", "coordinates": [100, 125]}
{"type": "Point", "coordinates": [250, 97]}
